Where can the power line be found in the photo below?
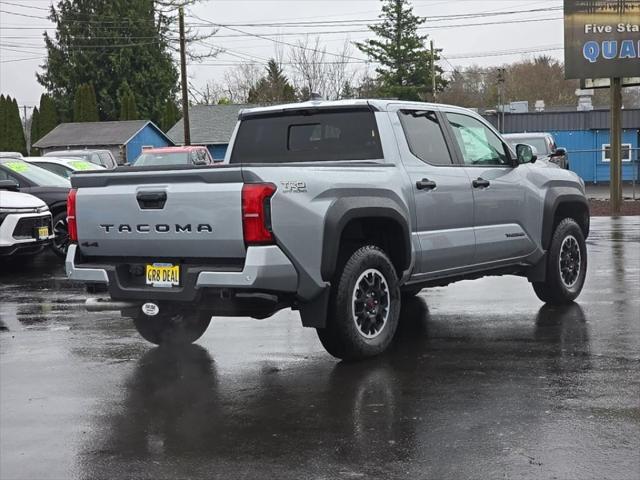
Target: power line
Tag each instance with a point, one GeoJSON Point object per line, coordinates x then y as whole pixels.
{"type": "Point", "coordinates": [23, 6]}
{"type": "Point", "coordinates": [431, 18]}
{"type": "Point", "coordinates": [265, 35]}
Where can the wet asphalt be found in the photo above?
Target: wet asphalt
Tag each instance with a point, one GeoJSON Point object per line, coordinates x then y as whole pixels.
{"type": "Point", "coordinates": [483, 382]}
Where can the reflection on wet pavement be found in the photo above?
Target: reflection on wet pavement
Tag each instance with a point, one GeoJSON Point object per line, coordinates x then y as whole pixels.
{"type": "Point", "coordinates": [482, 381]}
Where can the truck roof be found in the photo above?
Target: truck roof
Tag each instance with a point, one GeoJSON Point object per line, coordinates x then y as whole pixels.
{"type": "Point", "coordinates": [181, 149]}
{"type": "Point", "coordinates": [376, 104]}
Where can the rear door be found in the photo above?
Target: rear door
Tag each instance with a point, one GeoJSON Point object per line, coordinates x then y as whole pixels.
{"type": "Point", "coordinates": [441, 191]}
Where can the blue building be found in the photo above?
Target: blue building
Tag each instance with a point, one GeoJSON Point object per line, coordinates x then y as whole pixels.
{"type": "Point", "coordinates": [125, 139]}
{"type": "Point", "coordinates": [585, 135]}
{"type": "Point", "coordinates": [211, 126]}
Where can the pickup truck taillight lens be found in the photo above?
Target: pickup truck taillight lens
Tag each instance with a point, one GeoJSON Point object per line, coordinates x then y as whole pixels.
{"type": "Point", "coordinates": [71, 216]}
{"type": "Point", "coordinates": [256, 213]}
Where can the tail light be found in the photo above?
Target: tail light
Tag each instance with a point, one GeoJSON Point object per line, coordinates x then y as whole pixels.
{"type": "Point", "coordinates": [256, 213]}
{"type": "Point", "coordinates": [72, 226]}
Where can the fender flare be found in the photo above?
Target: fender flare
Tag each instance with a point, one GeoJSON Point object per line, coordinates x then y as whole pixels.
{"type": "Point", "coordinates": [346, 209]}
{"type": "Point", "coordinates": [555, 197]}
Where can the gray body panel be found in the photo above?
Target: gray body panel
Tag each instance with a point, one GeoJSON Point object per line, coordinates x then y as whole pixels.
{"type": "Point", "coordinates": [452, 230]}
{"type": "Point", "coordinates": [196, 220]}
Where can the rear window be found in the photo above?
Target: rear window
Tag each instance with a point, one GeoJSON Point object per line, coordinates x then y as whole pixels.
{"type": "Point", "coordinates": [323, 135]}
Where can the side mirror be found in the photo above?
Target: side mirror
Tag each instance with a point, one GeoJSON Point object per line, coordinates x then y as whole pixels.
{"type": "Point", "coordinates": [10, 185]}
{"type": "Point", "coordinates": [560, 152]}
{"type": "Point", "coordinates": [526, 153]}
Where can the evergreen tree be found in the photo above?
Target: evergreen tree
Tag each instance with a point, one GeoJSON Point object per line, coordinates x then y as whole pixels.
{"type": "Point", "coordinates": [4, 138]}
{"type": "Point", "coordinates": [35, 131]}
{"type": "Point", "coordinates": [405, 61]}
{"type": "Point", "coordinates": [15, 131]}
{"type": "Point", "coordinates": [104, 42]}
{"type": "Point", "coordinates": [48, 116]}
{"type": "Point", "coordinates": [170, 116]}
{"type": "Point", "coordinates": [85, 106]}
{"type": "Point", "coordinates": [127, 99]}
{"type": "Point", "coordinates": [274, 87]}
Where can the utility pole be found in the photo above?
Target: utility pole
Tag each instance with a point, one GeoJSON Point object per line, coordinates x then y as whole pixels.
{"type": "Point", "coordinates": [433, 72]}
{"type": "Point", "coordinates": [183, 79]}
{"type": "Point", "coordinates": [615, 160]}
{"type": "Point", "coordinates": [501, 100]}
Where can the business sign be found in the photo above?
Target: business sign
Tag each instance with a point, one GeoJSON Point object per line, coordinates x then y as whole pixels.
{"type": "Point", "coordinates": [601, 38]}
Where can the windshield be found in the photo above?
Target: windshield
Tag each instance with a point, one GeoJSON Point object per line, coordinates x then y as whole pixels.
{"type": "Point", "coordinates": [176, 158]}
{"type": "Point", "coordinates": [540, 143]}
{"type": "Point", "coordinates": [37, 175]}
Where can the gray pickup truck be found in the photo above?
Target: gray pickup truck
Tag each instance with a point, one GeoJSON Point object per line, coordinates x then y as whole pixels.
{"type": "Point", "coordinates": [335, 209]}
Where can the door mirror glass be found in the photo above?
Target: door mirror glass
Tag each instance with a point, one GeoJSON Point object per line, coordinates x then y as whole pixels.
{"type": "Point", "coordinates": [526, 153]}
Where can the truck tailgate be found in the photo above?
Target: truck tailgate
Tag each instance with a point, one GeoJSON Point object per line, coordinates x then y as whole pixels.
{"type": "Point", "coordinates": [161, 214]}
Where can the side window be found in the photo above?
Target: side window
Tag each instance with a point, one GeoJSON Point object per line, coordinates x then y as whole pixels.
{"type": "Point", "coordinates": [478, 144]}
{"type": "Point", "coordinates": [107, 160]}
{"type": "Point", "coordinates": [424, 136]}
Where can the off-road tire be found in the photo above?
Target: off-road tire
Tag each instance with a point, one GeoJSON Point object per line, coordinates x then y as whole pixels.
{"type": "Point", "coordinates": [60, 244]}
{"type": "Point", "coordinates": [556, 290]}
{"type": "Point", "coordinates": [343, 337]}
{"type": "Point", "coordinates": [167, 328]}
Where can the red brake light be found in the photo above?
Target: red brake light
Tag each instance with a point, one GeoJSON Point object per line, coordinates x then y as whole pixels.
{"type": "Point", "coordinates": [72, 226]}
{"type": "Point", "coordinates": [256, 213]}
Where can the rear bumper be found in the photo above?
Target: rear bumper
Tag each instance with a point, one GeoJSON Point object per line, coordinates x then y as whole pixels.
{"type": "Point", "coordinates": [265, 269]}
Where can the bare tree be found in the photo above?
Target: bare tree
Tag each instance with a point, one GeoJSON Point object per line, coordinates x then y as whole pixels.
{"type": "Point", "coordinates": [239, 81]}
{"type": "Point", "coordinates": [316, 71]}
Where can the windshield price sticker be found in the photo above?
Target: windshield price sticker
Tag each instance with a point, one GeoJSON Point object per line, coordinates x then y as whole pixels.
{"type": "Point", "coordinates": [17, 167]}
{"type": "Point", "coordinates": [81, 165]}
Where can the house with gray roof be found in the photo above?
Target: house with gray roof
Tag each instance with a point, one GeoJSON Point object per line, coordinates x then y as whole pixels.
{"type": "Point", "coordinates": [125, 139]}
{"type": "Point", "coordinates": [211, 126]}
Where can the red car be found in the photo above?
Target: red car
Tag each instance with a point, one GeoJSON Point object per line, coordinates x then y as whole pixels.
{"type": "Point", "coordinates": [192, 155]}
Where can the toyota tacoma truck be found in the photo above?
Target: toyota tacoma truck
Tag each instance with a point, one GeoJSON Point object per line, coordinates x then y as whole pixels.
{"type": "Point", "coordinates": [334, 209]}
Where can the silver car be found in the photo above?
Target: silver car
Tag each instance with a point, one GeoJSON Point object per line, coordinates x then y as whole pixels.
{"type": "Point", "coordinates": [544, 144]}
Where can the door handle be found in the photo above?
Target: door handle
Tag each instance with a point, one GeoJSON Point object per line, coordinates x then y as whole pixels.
{"type": "Point", "coordinates": [426, 184]}
{"type": "Point", "coordinates": [480, 183]}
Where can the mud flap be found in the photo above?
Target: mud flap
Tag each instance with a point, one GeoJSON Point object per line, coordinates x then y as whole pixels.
{"type": "Point", "coordinates": [314, 312]}
{"type": "Point", "coordinates": [538, 273]}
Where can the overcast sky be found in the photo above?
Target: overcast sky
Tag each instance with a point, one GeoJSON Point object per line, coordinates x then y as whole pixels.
{"type": "Point", "coordinates": [463, 45]}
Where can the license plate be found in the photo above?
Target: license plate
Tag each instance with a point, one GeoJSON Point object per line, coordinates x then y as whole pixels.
{"type": "Point", "coordinates": [164, 275]}
{"type": "Point", "coordinates": [43, 233]}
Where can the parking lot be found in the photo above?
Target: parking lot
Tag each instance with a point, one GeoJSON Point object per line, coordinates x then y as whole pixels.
{"type": "Point", "coordinates": [483, 381]}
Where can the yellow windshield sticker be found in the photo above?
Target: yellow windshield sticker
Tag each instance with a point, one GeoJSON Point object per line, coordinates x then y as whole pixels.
{"type": "Point", "coordinates": [17, 167]}
{"type": "Point", "coordinates": [82, 165]}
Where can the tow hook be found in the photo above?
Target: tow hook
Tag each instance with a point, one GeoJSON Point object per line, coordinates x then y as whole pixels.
{"type": "Point", "coordinates": [107, 305]}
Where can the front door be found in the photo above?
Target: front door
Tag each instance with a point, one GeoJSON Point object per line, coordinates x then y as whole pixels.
{"type": "Point", "coordinates": [499, 191]}
{"type": "Point", "coordinates": [441, 192]}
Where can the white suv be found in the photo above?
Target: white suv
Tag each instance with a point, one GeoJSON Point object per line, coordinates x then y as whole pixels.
{"type": "Point", "coordinates": [25, 223]}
